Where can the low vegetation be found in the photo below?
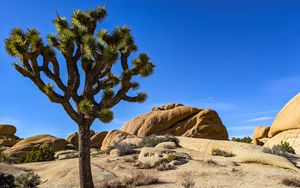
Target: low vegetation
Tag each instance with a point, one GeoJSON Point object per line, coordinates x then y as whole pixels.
{"type": "Point", "coordinates": [188, 181]}
{"type": "Point", "coordinates": [245, 139]}
{"type": "Point", "coordinates": [123, 148]}
{"type": "Point", "coordinates": [152, 141]}
{"type": "Point", "coordinates": [217, 152]}
{"type": "Point", "coordinates": [39, 154]}
{"type": "Point", "coordinates": [2, 157]}
{"type": "Point", "coordinates": [28, 180]}
{"type": "Point", "coordinates": [7, 181]}
{"type": "Point", "coordinates": [171, 157]}
{"type": "Point", "coordinates": [137, 178]}
{"type": "Point", "coordinates": [282, 149]}
{"type": "Point", "coordinates": [293, 182]}
{"type": "Point", "coordinates": [164, 166]}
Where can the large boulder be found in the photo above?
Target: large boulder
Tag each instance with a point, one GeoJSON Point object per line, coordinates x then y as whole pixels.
{"type": "Point", "coordinates": [115, 136]}
{"type": "Point", "coordinates": [288, 118]}
{"type": "Point", "coordinates": [97, 139]}
{"type": "Point", "coordinates": [291, 136]}
{"type": "Point", "coordinates": [7, 129]}
{"type": "Point", "coordinates": [73, 138]}
{"type": "Point", "coordinates": [178, 120]}
{"type": "Point", "coordinates": [24, 146]}
{"type": "Point", "coordinates": [259, 133]}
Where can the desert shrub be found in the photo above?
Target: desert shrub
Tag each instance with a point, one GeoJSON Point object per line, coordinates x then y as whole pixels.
{"type": "Point", "coordinates": [246, 139]}
{"type": "Point", "coordinates": [211, 162]}
{"type": "Point", "coordinates": [164, 166]}
{"type": "Point", "coordinates": [2, 157]}
{"type": "Point", "coordinates": [217, 152]}
{"type": "Point", "coordinates": [140, 165]}
{"type": "Point", "coordinates": [282, 149]}
{"type": "Point", "coordinates": [124, 148]}
{"type": "Point", "coordinates": [28, 180]}
{"type": "Point", "coordinates": [137, 178]}
{"type": "Point", "coordinates": [188, 181]}
{"type": "Point", "coordinates": [152, 141]}
{"type": "Point", "coordinates": [140, 177]}
{"type": "Point", "coordinates": [111, 182]}
{"type": "Point", "coordinates": [171, 157]}
{"type": "Point", "coordinates": [39, 154]}
{"type": "Point", "coordinates": [294, 182]}
{"type": "Point", "coordinates": [7, 181]}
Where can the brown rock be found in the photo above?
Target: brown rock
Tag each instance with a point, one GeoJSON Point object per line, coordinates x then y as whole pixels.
{"type": "Point", "coordinates": [97, 139]}
{"type": "Point", "coordinates": [178, 120]}
{"type": "Point", "coordinates": [259, 133]}
{"type": "Point", "coordinates": [7, 129]}
{"type": "Point", "coordinates": [288, 118]}
{"type": "Point", "coordinates": [73, 138]}
{"type": "Point", "coordinates": [24, 146]}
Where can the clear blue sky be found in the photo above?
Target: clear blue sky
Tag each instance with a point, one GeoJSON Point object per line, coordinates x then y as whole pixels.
{"type": "Point", "coordinates": [240, 58]}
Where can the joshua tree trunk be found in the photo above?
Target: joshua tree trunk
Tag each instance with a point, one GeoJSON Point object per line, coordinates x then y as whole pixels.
{"type": "Point", "coordinates": [85, 173]}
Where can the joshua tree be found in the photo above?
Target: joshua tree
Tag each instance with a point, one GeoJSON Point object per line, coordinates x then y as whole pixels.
{"type": "Point", "coordinates": [90, 90]}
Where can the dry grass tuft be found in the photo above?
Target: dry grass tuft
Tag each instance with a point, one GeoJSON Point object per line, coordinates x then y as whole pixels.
{"type": "Point", "coordinates": [294, 182]}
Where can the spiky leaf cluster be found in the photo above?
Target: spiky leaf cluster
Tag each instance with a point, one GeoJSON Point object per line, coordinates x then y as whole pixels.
{"type": "Point", "coordinates": [106, 115]}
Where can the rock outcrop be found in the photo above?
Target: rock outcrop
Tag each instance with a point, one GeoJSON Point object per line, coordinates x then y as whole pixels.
{"type": "Point", "coordinates": [73, 138]}
{"type": "Point", "coordinates": [97, 139]}
{"type": "Point", "coordinates": [7, 129]}
{"type": "Point", "coordinates": [259, 134]}
{"type": "Point", "coordinates": [288, 118]}
{"type": "Point", "coordinates": [178, 120]}
{"type": "Point", "coordinates": [285, 127]}
{"type": "Point", "coordinates": [115, 136]}
{"type": "Point", "coordinates": [7, 135]}
{"type": "Point", "coordinates": [21, 149]}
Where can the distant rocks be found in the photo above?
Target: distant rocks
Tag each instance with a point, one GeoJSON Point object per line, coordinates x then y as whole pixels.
{"type": "Point", "coordinates": [7, 135]}
{"type": "Point", "coordinates": [259, 134]}
{"type": "Point", "coordinates": [7, 130]}
{"type": "Point", "coordinates": [178, 120]}
{"type": "Point", "coordinates": [97, 139]}
{"type": "Point", "coordinates": [73, 138]}
{"type": "Point", "coordinates": [21, 149]}
{"type": "Point", "coordinates": [285, 127]}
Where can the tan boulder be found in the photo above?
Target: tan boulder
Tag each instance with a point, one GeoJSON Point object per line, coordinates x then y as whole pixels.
{"type": "Point", "coordinates": [97, 139]}
{"type": "Point", "coordinates": [116, 136]}
{"type": "Point", "coordinates": [288, 117]}
{"type": "Point", "coordinates": [178, 120]}
{"type": "Point", "coordinates": [7, 129]}
{"type": "Point", "coordinates": [291, 136]}
{"type": "Point", "coordinates": [24, 146]}
{"type": "Point", "coordinates": [73, 138]}
{"type": "Point", "coordinates": [259, 133]}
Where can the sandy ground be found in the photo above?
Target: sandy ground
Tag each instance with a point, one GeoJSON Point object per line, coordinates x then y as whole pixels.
{"type": "Point", "coordinates": [225, 173]}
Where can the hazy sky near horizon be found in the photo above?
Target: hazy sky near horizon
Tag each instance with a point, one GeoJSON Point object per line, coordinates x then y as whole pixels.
{"type": "Point", "coordinates": [240, 58]}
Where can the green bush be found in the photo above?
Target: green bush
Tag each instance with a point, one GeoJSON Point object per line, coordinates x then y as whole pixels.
{"type": "Point", "coordinates": [2, 157]}
{"type": "Point", "coordinates": [282, 149]}
{"type": "Point", "coordinates": [28, 180]}
{"type": "Point", "coordinates": [246, 139]}
{"type": "Point", "coordinates": [171, 157]}
{"type": "Point", "coordinates": [152, 141]}
{"type": "Point", "coordinates": [39, 154]}
{"type": "Point", "coordinates": [7, 181]}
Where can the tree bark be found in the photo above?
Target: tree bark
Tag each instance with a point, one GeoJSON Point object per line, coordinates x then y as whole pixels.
{"type": "Point", "coordinates": [85, 173]}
